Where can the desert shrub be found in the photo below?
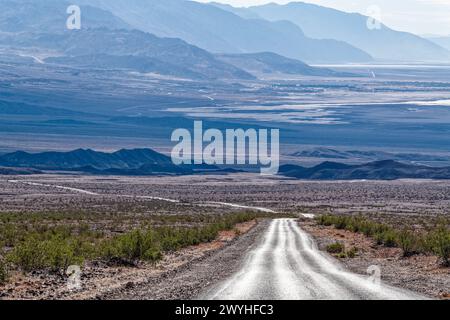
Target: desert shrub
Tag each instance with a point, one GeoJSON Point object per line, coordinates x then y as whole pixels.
{"type": "Point", "coordinates": [173, 239]}
{"type": "Point", "coordinates": [422, 244]}
{"type": "Point", "coordinates": [3, 271]}
{"type": "Point", "coordinates": [436, 241]}
{"type": "Point", "coordinates": [66, 252]}
{"type": "Point", "coordinates": [325, 220]}
{"type": "Point", "coordinates": [382, 233]}
{"type": "Point", "coordinates": [55, 253]}
{"type": "Point", "coordinates": [407, 241]}
{"type": "Point", "coordinates": [379, 238]}
{"type": "Point", "coordinates": [336, 248]}
{"type": "Point", "coordinates": [135, 245]}
{"type": "Point", "coordinates": [38, 243]}
{"type": "Point", "coordinates": [389, 238]}
{"type": "Point", "coordinates": [354, 224]}
{"type": "Point", "coordinates": [439, 243]}
{"type": "Point", "coordinates": [352, 252]}
{"type": "Point", "coordinates": [341, 223]}
{"type": "Point", "coordinates": [366, 228]}
{"type": "Point", "coordinates": [150, 244]}
{"type": "Point", "coordinates": [370, 228]}
{"type": "Point", "coordinates": [10, 234]}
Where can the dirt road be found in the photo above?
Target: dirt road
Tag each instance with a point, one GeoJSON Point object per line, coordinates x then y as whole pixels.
{"type": "Point", "coordinates": [275, 260]}
{"type": "Point", "coordinates": [286, 265]}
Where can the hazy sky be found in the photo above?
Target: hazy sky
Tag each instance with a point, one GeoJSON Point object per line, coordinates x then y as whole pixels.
{"type": "Point", "coordinates": [418, 16]}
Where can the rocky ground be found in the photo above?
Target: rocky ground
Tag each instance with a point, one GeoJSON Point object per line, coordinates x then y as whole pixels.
{"type": "Point", "coordinates": [404, 197]}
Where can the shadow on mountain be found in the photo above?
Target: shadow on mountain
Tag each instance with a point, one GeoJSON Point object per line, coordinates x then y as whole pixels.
{"type": "Point", "coordinates": [136, 162]}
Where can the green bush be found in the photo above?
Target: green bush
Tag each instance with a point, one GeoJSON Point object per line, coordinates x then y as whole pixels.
{"type": "Point", "coordinates": [352, 253]}
{"type": "Point", "coordinates": [436, 241]}
{"type": "Point", "coordinates": [9, 235]}
{"type": "Point", "coordinates": [3, 272]}
{"type": "Point", "coordinates": [382, 233]}
{"type": "Point", "coordinates": [336, 248]}
{"type": "Point", "coordinates": [408, 242]}
{"type": "Point", "coordinates": [38, 245]}
{"type": "Point", "coordinates": [354, 224]}
{"type": "Point", "coordinates": [325, 220]}
{"type": "Point", "coordinates": [150, 244]}
{"type": "Point", "coordinates": [54, 254]}
{"type": "Point", "coordinates": [135, 245]}
{"type": "Point", "coordinates": [379, 238]}
{"type": "Point", "coordinates": [389, 238]}
{"type": "Point", "coordinates": [439, 242]}
{"type": "Point", "coordinates": [342, 223]}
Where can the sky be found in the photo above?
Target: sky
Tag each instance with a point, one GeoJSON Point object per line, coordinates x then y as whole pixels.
{"type": "Point", "coordinates": [421, 17]}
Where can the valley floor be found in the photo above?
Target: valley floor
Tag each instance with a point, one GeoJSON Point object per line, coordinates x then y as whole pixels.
{"type": "Point", "coordinates": [114, 205]}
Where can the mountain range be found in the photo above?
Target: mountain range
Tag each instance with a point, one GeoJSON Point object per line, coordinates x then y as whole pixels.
{"type": "Point", "coordinates": [188, 39]}
{"type": "Point", "coordinates": [379, 170]}
{"type": "Point", "coordinates": [122, 159]}
{"type": "Point", "coordinates": [221, 31]}
{"type": "Point", "coordinates": [380, 41]}
{"type": "Point", "coordinates": [143, 161]}
{"type": "Point", "coordinates": [123, 162]}
{"type": "Point", "coordinates": [148, 162]}
{"type": "Point", "coordinates": [108, 42]}
{"type": "Point", "coordinates": [140, 51]}
{"type": "Point", "coordinates": [367, 155]}
{"type": "Point", "coordinates": [104, 41]}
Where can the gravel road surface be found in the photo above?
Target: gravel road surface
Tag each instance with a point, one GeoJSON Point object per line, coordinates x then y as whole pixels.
{"type": "Point", "coordinates": [286, 265]}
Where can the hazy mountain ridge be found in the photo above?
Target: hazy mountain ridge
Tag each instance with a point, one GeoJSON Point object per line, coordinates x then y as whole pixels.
{"type": "Point", "coordinates": [221, 31]}
{"type": "Point", "coordinates": [325, 23]}
{"type": "Point", "coordinates": [368, 155]}
{"type": "Point", "coordinates": [379, 170]}
{"type": "Point", "coordinates": [142, 52]}
{"type": "Point", "coordinates": [49, 16]}
{"type": "Point", "coordinates": [240, 11]}
{"type": "Point", "coordinates": [129, 49]}
{"type": "Point", "coordinates": [441, 41]}
{"type": "Point", "coordinates": [104, 41]}
{"type": "Point", "coordinates": [107, 42]}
